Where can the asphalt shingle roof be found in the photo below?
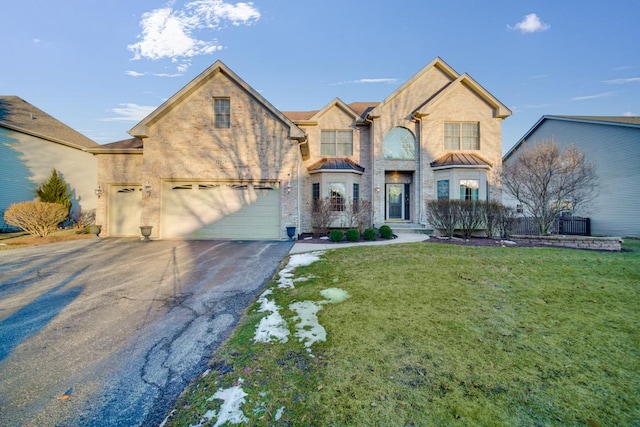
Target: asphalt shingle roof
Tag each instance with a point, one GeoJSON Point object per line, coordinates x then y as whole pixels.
{"type": "Point", "coordinates": [17, 114]}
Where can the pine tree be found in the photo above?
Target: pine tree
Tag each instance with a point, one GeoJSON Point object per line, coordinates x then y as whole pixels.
{"type": "Point", "coordinates": [55, 190]}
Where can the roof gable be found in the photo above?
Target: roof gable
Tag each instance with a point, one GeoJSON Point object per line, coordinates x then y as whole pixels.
{"type": "Point", "coordinates": [141, 129]}
{"type": "Point", "coordinates": [18, 115]}
{"type": "Point", "coordinates": [501, 111]}
{"type": "Point", "coordinates": [437, 63]}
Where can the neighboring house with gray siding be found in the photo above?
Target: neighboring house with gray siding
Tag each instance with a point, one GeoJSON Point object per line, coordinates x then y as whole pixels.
{"type": "Point", "coordinates": [32, 143]}
{"type": "Point", "coordinates": [612, 144]}
{"type": "Point", "coordinates": [217, 160]}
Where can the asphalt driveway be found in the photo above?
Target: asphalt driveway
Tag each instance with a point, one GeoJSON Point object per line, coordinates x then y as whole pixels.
{"type": "Point", "coordinates": [110, 331]}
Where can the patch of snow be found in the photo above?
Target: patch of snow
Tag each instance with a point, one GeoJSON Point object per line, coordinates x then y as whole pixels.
{"type": "Point", "coordinates": [272, 327]}
{"type": "Point", "coordinates": [507, 242]}
{"type": "Point", "coordinates": [308, 328]}
{"type": "Point", "coordinates": [334, 295]}
{"type": "Point", "coordinates": [286, 280]}
{"type": "Point", "coordinates": [164, 422]}
{"type": "Point", "coordinates": [308, 258]}
{"type": "Point", "coordinates": [279, 413]}
{"type": "Point", "coordinates": [230, 411]}
{"type": "Point", "coordinates": [324, 238]}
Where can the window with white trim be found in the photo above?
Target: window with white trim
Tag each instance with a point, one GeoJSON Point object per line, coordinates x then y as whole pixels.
{"type": "Point", "coordinates": [469, 189]}
{"type": "Point", "coordinates": [399, 143]}
{"type": "Point", "coordinates": [222, 113]}
{"type": "Point", "coordinates": [443, 189]}
{"type": "Point", "coordinates": [336, 143]}
{"type": "Point", "coordinates": [462, 136]}
{"type": "Point", "coordinates": [338, 196]}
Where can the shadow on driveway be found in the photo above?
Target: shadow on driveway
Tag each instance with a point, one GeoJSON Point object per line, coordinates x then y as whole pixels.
{"type": "Point", "coordinates": [125, 324]}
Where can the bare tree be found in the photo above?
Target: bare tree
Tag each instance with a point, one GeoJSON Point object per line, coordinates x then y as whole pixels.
{"type": "Point", "coordinates": [322, 215]}
{"type": "Point", "coordinates": [547, 180]}
{"type": "Point", "coordinates": [358, 214]}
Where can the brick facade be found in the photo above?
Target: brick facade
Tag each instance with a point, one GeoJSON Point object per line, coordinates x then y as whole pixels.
{"type": "Point", "coordinates": [181, 143]}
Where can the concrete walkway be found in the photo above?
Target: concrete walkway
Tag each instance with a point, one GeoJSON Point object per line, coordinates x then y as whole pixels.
{"type": "Point", "coordinates": [300, 246]}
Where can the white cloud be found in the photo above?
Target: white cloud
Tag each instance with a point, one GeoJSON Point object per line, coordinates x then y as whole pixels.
{"type": "Point", "coordinates": [530, 24]}
{"type": "Point", "coordinates": [129, 113]}
{"type": "Point", "coordinates": [623, 81]}
{"type": "Point", "coordinates": [530, 106]}
{"type": "Point", "coordinates": [170, 33]}
{"type": "Point", "coordinates": [596, 96]}
{"type": "Point", "coordinates": [368, 81]}
{"type": "Point", "coordinates": [629, 114]}
{"type": "Point", "coordinates": [133, 73]}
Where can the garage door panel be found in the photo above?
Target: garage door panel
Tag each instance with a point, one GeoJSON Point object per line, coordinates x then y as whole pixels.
{"type": "Point", "coordinates": [125, 209]}
{"type": "Point", "coordinates": [221, 211]}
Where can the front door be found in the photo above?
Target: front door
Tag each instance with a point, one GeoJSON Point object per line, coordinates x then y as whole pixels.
{"type": "Point", "coordinates": [397, 202]}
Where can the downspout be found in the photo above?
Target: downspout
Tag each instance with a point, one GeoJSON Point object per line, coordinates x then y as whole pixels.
{"type": "Point", "coordinates": [299, 207]}
{"type": "Point", "coordinates": [417, 118]}
{"type": "Point", "coordinates": [369, 119]}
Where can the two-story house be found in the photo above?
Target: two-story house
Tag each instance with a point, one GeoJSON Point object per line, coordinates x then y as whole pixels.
{"type": "Point", "coordinates": [217, 160]}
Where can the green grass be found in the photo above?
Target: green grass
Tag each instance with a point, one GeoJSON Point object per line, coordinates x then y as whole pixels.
{"type": "Point", "coordinates": [441, 335]}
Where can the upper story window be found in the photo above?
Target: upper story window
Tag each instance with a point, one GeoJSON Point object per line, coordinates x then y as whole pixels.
{"type": "Point", "coordinates": [462, 136]}
{"type": "Point", "coordinates": [399, 143]}
{"type": "Point", "coordinates": [336, 143]}
{"type": "Point", "coordinates": [222, 112]}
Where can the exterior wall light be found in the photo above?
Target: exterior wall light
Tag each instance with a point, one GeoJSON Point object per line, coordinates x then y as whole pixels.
{"type": "Point", "coordinates": [98, 191]}
{"type": "Point", "coordinates": [147, 188]}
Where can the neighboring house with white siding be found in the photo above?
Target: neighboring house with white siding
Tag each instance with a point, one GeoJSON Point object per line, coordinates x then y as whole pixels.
{"type": "Point", "coordinates": [612, 144]}
{"type": "Point", "coordinates": [217, 160]}
{"type": "Point", "coordinates": [32, 143]}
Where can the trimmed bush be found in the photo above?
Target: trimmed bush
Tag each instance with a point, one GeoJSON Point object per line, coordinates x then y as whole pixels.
{"type": "Point", "coordinates": [36, 218]}
{"type": "Point", "coordinates": [336, 235]}
{"type": "Point", "coordinates": [370, 234]}
{"type": "Point", "coordinates": [353, 235]}
{"type": "Point", "coordinates": [385, 232]}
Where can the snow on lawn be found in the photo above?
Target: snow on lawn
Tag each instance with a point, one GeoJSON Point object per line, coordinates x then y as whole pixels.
{"type": "Point", "coordinates": [273, 327]}
{"type": "Point", "coordinates": [286, 280]}
{"type": "Point", "coordinates": [230, 411]}
{"type": "Point", "coordinates": [308, 329]}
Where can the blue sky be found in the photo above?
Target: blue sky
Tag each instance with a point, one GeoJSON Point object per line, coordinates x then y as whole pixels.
{"type": "Point", "coordinates": [101, 66]}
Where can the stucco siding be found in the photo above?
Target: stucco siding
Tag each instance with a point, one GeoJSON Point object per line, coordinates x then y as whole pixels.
{"type": "Point", "coordinates": [614, 150]}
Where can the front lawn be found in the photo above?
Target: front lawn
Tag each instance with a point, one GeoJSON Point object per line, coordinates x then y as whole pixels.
{"type": "Point", "coordinates": [434, 335]}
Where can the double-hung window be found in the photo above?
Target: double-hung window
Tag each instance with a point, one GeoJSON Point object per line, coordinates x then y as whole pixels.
{"type": "Point", "coordinates": [222, 113]}
{"type": "Point", "coordinates": [336, 143]}
{"type": "Point", "coordinates": [462, 136]}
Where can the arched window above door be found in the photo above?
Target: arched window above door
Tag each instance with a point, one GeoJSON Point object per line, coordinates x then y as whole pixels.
{"type": "Point", "coordinates": [399, 143]}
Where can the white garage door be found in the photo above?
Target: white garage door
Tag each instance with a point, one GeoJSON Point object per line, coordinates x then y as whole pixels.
{"type": "Point", "coordinates": [125, 206]}
{"type": "Point", "coordinates": [218, 210]}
